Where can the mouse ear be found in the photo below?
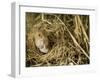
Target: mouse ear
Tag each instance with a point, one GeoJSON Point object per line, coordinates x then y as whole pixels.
{"type": "Point", "coordinates": [37, 27]}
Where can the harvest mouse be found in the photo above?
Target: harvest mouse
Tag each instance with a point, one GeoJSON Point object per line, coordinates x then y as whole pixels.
{"type": "Point", "coordinates": [41, 41]}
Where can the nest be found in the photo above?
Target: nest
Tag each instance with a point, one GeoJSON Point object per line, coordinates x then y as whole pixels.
{"type": "Point", "coordinates": [68, 37]}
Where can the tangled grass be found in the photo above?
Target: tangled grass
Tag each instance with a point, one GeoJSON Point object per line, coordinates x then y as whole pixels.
{"type": "Point", "coordinates": [68, 37]}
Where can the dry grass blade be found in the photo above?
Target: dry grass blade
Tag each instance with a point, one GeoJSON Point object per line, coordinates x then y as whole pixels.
{"type": "Point", "coordinates": [82, 27]}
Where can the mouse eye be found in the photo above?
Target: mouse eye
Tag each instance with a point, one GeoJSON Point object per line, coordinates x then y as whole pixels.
{"type": "Point", "coordinates": [39, 34]}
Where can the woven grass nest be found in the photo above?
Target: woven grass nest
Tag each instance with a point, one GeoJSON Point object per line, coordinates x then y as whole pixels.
{"type": "Point", "coordinates": [68, 37]}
